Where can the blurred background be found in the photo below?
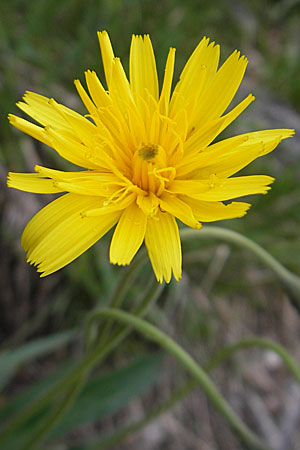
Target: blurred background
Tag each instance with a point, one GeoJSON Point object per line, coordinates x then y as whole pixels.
{"type": "Point", "coordinates": [225, 293]}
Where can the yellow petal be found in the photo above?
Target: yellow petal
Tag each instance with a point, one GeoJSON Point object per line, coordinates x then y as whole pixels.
{"type": "Point", "coordinates": [136, 126]}
{"type": "Point", "coordinates": [82, 182]}
{"type": "Point", "coordinates": [83, 187]}
{"type": "Point", "coordinates": [128, 236]}
{"type": "Point", "coordinates": [72, 150]}
{"type": "Point", "coordinates": [29, 128]}
{"type": "Point", "coordinates": [228, 188]}
{"type": "Point", "coordinates": [199, 69]}
{"type": "Point", "coordinates": [60, 175]}
{"type": "Point", "coordinates": [148, 203]}
{"type": "Point", "coordinates": [230, 155]}
{"type": "Point", "coordinates": [188, 187]}
{"type": "Point", "coordinates": [164, 248]}
{"type": "Point", "coordinates": [181, 124]}
{"type": "Point", "coordinates": [195, 160]}
{"type": "Point", "coordinates": [59, 233]}
{"type": "Point", "coordinates": [118, 137]}
{"type": "Point", "coordinates": [32, 182]}
{"type": "Point", "coordinates": [80, 127]}
{"type": "Point", "coordinates": [143, 74]}
{"type": "Point", "coordinates": [105, 207]}
{"type": "Point", "coordinates": [85, 98]}
{"type": "Point", "coordinates": [40, 109]}
{"type": "Point", "coordinates": [193, 94]}
{"type": "Point", "coordinates": [201, 138]}
{"type": "Point", "coordinates": [221, 90]}
{"type": "Point", "coordinates": [230, 163]}
{"type": "Point", "coordinates": [119, 89]}
{"type": "Point", "coordinates": [213, 211]}
{"type": "Point", "coordinates": [236, 111]}
{"type": "Point", "coordinates": [47, 218]}
{"type": "Point", "coordinates": [173, 205]}
{"type": "Point", "coordinates": [107, 54]}
{"type": "Point", "coordinates": [97, 91]}
{"type": "Point", "coordinates": [167, 83]}
{"type": "Point", "coordinates": [206, 54]}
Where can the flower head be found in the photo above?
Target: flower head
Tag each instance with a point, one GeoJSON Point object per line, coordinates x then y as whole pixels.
{"type": "Point", "coordinates": [149, 158]}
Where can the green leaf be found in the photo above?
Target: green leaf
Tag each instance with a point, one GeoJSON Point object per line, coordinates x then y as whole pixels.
{"type": "Point", "coordinates": [107, 394]}
{"type": "Point", "coordinates": [101, 397]}
{"type": "Point", "coordinates": [11, 360]}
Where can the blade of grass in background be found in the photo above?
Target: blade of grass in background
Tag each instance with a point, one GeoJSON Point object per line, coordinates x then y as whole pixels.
{"type": "Point", "coordinates": [10, 361]}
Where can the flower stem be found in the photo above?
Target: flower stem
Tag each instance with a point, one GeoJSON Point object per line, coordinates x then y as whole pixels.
{"type": "Point", "coordinates": [227, 351]}
{"type": "Point", "coordinates": [83, 368]}
{"type": "Point", "coordinates": [290, 281]}
{"type": "Point", "coordinates": [154, 334]}
{"type": "Point", "coordinates": [191, 384]}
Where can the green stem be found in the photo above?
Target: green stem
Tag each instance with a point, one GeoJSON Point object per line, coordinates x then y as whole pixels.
{"type": "Point", "coordinates": [154, 334]}
{"type": "Point", "coordinates": [227, 351]}
{"type": "Point", "coordinates": [96, 355]}
{"type": "Point", "coordinates": [289, 279]}
{"type": "Point", "coordinates": [191, 384]}
{"type": "Point", "coordinates": [123, 286]}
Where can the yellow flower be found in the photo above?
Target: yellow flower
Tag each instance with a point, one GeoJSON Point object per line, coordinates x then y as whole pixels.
{"type": "Point", "coordinates": [148, 156]}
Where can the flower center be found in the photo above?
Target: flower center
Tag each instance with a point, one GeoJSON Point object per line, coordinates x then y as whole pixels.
{"type": "Point", "coordinates": [149, 169]}
{"type": "Point", "coordinates": [148, 152]}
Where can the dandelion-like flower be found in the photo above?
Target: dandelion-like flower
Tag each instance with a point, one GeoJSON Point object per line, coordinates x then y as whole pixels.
{"type": "Point", "coordinates": [148, 158]}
